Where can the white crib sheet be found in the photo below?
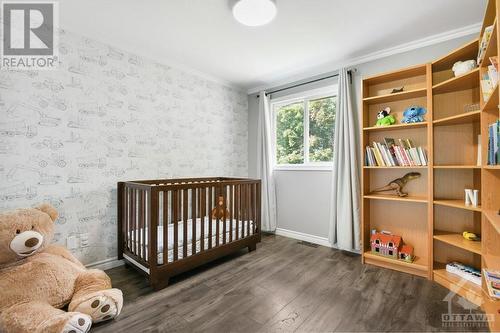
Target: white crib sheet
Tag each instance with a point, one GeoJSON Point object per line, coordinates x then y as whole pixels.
{"type": "Point", "coordinates": [240, 227]}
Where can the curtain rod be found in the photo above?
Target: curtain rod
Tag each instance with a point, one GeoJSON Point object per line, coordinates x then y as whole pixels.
{"type": "Point", "coordinates": [309, 82]}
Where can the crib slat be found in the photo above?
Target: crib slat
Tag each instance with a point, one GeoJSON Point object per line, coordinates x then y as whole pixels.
{"type": "Point", "coordinates": [136, 223]}
{"type": "Point", "coordinates": [193, 220]}
{"type": "Point", "coordinates": [203, 207]}
{"type": "Point", "coordinates": [165, 227]}
{"type": "Point", "coordinates": [128, 198]}
{"type": "Point", "coordinates": [209, 212]}
{"type": "Point", "coordinates": [175, 216]}
{"type": "Point", "coordinates": [231, 210]}
{"type": "Point", "coordinates": [225, 217]}
{"type": "Point", "coordinates": [185, 222]}
{"type": "Point", "coordinates": [237, 210]}
{"type": "Point", "coordinates": [249, 208]}
{"type": "Point", "coordinates": [217, 218]}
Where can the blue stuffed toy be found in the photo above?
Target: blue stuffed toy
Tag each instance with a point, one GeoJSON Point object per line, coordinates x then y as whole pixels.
{"type": "Point", "coordinates": [414, 114]}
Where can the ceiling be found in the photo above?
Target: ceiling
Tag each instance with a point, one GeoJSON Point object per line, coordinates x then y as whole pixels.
{"type": "Point", "coordinates": [202, 34]}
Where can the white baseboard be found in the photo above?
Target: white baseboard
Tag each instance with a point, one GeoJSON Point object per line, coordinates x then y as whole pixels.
{"type": "Point", "coordinates": [323, 241]}
{"type": "Point", "coordinates": [106, 264]}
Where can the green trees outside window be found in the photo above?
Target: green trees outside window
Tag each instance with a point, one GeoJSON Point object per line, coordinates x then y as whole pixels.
{"type": "Point", "coordinates": [310, 140]}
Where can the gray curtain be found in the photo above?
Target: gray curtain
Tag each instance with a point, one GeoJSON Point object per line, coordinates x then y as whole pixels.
{"type": "Point", "coordinates": [345, 208]}
{"type": "Point", "coordinates": [265, 165]}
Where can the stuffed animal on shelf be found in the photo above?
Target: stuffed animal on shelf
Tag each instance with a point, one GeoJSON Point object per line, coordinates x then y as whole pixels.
{"type": "Point", "coordinates": [462, 67]}
{"type": "Point", "coordinates": [38, 279]}
{"type": "Point", "coordinates": [471, 236]}
{"type": "Point", "coordinates": [385, 118]}
{"type": "Point", "coordinates": [414, 114]}
{"type": "Point", "coordinates": [220, 211]}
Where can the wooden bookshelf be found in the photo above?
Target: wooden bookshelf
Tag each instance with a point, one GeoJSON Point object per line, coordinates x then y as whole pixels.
{"type": "Point", "coordinates": [434, 215]}
{"type": "Point", "coordinates": [385, 211]}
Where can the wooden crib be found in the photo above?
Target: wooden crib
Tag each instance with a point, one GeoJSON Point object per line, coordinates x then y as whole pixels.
{"type": "Point", "coordinates": [193, 220]}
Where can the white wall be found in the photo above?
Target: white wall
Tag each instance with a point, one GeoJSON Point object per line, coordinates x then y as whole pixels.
{"type": "Point", "coordinates": [303, 196]}
{"type": "Point", "coordinates": [105, 115]}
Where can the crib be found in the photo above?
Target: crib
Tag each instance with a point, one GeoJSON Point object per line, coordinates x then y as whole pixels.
{"type": "Point", "coordinates": [193, 220]}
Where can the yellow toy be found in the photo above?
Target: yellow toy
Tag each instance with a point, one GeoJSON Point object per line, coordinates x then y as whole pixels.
{"type": "Point", "coordinates": [471, 236]}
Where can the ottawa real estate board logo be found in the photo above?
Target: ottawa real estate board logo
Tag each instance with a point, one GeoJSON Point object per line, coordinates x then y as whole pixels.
{"type": "Point", "coordinates": [29, 35]}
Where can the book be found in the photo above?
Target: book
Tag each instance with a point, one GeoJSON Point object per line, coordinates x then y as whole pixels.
{"type": "Point", "coordinates": [494, 62]}
{"type": "Point", "coordinates": [493, 75]}
{"type": "Point", "coordinates": [492, 279]}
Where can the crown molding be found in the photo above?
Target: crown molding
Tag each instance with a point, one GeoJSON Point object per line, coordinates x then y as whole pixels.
{"type": "Point", "coordinates": [306, 73]}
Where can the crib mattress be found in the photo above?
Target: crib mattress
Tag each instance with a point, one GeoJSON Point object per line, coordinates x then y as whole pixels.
{"type": "Point", "coordinates": [238, 228]}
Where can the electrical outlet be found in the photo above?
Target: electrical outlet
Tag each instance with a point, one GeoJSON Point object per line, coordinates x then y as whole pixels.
{"type": "Point", "coordinates": [84, 240]}
{"type": "Point", "coordinates": [71, 242]}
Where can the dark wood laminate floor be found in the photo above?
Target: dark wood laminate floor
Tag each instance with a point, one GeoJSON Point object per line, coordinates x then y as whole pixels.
{"type": "Point", "coordinates": [284, 286]}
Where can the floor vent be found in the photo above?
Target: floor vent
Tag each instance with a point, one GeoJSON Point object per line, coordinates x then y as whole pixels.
{"type": "Point", "coordinates": [308, 244]}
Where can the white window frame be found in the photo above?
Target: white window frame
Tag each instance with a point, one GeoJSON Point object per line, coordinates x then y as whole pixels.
{"type": "Point", "coordinates": [329, 91]}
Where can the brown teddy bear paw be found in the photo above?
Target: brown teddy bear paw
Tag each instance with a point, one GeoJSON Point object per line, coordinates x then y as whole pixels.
{"type": "Point", "coordinates": [102, 305]}
{"type": "Point", "coordinates": [78, 323]}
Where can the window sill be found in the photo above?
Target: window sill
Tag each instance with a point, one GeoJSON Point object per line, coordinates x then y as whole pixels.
{"type": "Point", "coordinates": [303, 168]}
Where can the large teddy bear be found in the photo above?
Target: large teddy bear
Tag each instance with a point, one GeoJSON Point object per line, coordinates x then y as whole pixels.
{"type": "Point", "coordinates": [37, 279]}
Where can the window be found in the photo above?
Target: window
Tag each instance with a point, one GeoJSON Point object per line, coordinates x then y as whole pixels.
{"type": "Point", "coordinates": [303, 129]}
{"type": "Point", "coordinates": [390, 252]}
{"type": "Point", "coordinates": [377, 241]}
{"type": "Point", "coordinates": [391, 244]}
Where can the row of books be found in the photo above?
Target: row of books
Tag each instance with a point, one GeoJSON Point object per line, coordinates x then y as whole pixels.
{"type": "Point", "coordinates": [389, 154]}
{"type": "Point", "coordinates": [484, 42]}
{"type": "Point", "coordinates": [489, 79]}
{"type": "Point", "coordinates": [493, 143]}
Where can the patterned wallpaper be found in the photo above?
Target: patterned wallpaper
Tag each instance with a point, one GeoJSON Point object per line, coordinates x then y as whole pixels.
{"type": "Point", "coordinates": [67, 136]}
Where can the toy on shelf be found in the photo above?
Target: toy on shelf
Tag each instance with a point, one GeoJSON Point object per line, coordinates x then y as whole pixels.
{"type": "Point", "coordinates": [391, 246]}
{"type": "Point", "coordinates": [465, 272]}
{"type": "Point", "coordinates": [385, 118]}
{"type": "Point", "coordinates": [471, 236]}
{"type": "Point", "coordinates": [471, 107]}
{"type": "Point", "coordinates": [462, 67]}
{"type": "Point", "coordinates": [471, 197]}
{"type": "Point", "coordinates": [397, 90]}
{"type": "Point", "coordinates": [414, 114]}
{"type": "Point", "coordinates": [398, 184]}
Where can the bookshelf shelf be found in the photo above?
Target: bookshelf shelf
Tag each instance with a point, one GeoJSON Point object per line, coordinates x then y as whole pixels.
{"type": "Point", "coordinates": [464, 118]}
{"type": "Point", "coordinates": [394, 127]}
{"type": "Point", "coordinates": [457, 167]}
{"type": "Point", "coordinates": [458, 241]}
{"type": "Point", "coordinates": [396, 96]}
{"type": "Point", "coordinates": [410, 198]}
{"type": "Point", "coordinates": [417, 267]}
{"type": "Point", "coordinates": [463, 82]}
{"type": "Point", "coordinates": [464, 288]}
{"type": "Point", "coordinates": [456, 203]}
{"type": "Point", "coordinates": [396, 167]}
{"type": "Point", "coordinates": [491, 167]}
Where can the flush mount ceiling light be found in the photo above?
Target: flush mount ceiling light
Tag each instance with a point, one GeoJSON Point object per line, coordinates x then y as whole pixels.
{"type": "Point", "coordinates": [254, 13]}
